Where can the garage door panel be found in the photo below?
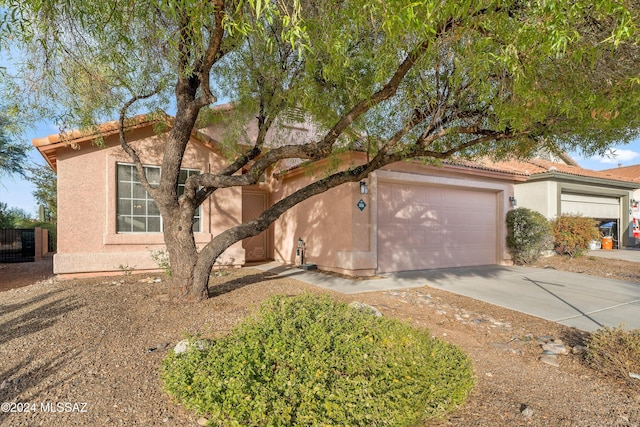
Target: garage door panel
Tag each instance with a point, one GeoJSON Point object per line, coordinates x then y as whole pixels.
{"type": "Point", "coordinates": [422, 227]}
{"type": "Point", "coordinates": [591, 206]}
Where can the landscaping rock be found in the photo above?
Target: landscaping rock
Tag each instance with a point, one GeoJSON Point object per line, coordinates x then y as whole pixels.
{"type": "Point", "coordinates": [526, 410]}
{"type": "Point", "coordinates": [555, 348]}
{"type": "Point", "coordinates": [364, 307]}
{"type": "Point", "coordinates": [187, 345]}
{"type": "Point", "coordinates": [550, 359]}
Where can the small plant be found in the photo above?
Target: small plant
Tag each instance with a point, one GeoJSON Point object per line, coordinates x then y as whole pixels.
{"type": "Point", "coordinates": [126, 269]}
{"type": "Point", "coordinates": [161, 257]}
{"type": "Point", "coordinates": [529, 235]}
{"type": "Point", "coordinates": [307, 360]}
{"type": "Point", "coordinates": [616, 352]}
{"type": "Point", "coordinates": [573, 233]}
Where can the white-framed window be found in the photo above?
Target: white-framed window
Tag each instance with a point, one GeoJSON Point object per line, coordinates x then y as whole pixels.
{"type": "Point", "coordinates": [136, 211]}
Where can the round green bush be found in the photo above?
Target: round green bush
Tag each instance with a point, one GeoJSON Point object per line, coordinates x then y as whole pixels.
{"type": "Point", "coordinates": [308, 360]}
{"type": "Point", "coordinates": [529, 235]}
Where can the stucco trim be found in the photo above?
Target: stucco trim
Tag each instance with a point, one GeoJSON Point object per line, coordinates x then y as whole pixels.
{"type": "Point", "coordinates": [147, 238]}
{"type": "Point", "coordinates": [84, 262]}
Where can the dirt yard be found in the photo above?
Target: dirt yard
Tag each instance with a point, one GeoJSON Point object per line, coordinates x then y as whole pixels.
{"type": "Point", "coordinates": [87, 352]}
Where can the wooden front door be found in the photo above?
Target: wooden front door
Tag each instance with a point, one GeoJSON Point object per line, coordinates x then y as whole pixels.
{"type": "Point", "coordinates": [254, 202]}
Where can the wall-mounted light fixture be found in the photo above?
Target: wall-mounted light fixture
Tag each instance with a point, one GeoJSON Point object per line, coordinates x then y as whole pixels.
{"type": "Point", "coordinates": [513, 202]}
{"type": "Point", "coordinates": [364, 189]}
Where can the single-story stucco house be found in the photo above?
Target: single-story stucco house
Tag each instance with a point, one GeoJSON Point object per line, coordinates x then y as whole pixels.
{"type": "Point", "coordinates": [406, 216]}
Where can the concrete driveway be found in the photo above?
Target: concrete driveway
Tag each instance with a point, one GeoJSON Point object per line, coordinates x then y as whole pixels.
{"type": "Point", "coordinates": [572, 299]}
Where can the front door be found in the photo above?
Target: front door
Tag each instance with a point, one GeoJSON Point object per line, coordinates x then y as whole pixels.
{"type": "Point", "coordinates": [254, 202]}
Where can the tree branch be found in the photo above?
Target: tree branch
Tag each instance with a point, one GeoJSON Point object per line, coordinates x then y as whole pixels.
{"type": "Point", "coordinates": [125, 144]}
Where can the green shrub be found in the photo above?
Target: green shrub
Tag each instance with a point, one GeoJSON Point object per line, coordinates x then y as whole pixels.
{"type": "Point", "coordinates": [616, 352]}
{"type": "Point", "coordinates": [573, 233]}
{"type": "Point", "coordinates": [529, 235]}
{"type": "Point", "coordinates": [308, 360]}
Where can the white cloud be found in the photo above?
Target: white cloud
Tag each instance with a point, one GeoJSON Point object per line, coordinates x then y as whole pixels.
{"type": "Point", "coordinates": [617, 155]}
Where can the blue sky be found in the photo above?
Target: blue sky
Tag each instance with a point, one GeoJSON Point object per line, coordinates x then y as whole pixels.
{"type": "Point", "coordinates": [16, 192]}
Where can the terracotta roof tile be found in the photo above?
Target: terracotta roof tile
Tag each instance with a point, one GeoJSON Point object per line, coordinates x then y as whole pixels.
{"type": "Point", "coordinates": [626, 171]}
{"type": "Point", "coordinates": [537, 166]}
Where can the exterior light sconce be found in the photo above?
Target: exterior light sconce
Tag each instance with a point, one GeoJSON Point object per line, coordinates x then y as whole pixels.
{"type": "Point", "coordinates": [513, 202]}
{"type": "Point", "coordinates": [364, 189]}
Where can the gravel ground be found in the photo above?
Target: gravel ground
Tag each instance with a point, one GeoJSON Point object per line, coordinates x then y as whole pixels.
{"type": "Point", "coordinates": [84, 344]}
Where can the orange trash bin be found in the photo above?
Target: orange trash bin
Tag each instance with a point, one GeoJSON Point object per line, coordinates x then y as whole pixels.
{"type": "Point", "coordinates": [607, 243]}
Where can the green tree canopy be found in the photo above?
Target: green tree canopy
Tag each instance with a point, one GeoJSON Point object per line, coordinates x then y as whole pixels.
{"type": "Point", "coordinates": [428, 79]}
{"type": "Point", "coordinates": [13, 155]}
{"type": "Point", "coordinates": [46, 183]}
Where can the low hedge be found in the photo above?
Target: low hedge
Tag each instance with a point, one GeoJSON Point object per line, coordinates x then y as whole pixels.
{"type": "Point", "coordinates": [308, 360]}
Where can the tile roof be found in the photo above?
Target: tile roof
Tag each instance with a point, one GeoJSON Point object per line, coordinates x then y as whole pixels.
{"type": "Point", "coordinates": [626, 171]}
{"type": "Point", "coordinates": [536, 166]}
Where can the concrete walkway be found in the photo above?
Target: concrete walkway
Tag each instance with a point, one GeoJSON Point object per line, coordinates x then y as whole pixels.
{"type": "Point", "coordinates": [632, 255]}
{"type": "Point", "coordinates": [572, 299]}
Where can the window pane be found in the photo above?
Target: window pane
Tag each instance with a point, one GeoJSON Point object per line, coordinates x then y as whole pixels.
{"type": "Point", "coordinates": [196, 225]}
{"type": "Point", "coordinates": [139, 207]}
{"type": "Point", "coordinates": [154, 224]}
{"type": "Point", "coordinates": [152, 208]}
{"type": "Point", "coordinates": [139, 224]}
{"type": "Point", "coordinates": [124, 190]}
{"type": "Point", "coordinates": [139, 192]}
{"type": "Point", "coordinates": [124, 207]}
{"type": "Point", "coordinates": [124, 173]}
{"type": "Point", "coordinates": [183, 177]}
{"type": "Point", "coordinates": [153, 175]}
{"type": "Point", "coordinates": [124, 223]}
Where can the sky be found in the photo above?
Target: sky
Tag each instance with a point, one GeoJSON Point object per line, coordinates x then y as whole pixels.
{"type": "Point", "coordinates": [16, 192]}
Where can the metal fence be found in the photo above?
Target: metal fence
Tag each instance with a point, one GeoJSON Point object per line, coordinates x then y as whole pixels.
{"type": "Point", "coordinates": [17, 245]}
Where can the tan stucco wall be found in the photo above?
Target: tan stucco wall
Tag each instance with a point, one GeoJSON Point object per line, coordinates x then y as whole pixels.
{"type": "Point", "coordinates": [324, 222]}
{"type": "Point", "coordinates": [340, 237]}
{"type": "Point", "coordinates": [87, 237]}
{"type": "Point", "coordinates": [540, 196]}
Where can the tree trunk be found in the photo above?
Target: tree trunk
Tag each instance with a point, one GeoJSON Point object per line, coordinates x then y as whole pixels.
{"type": "Point", "coordinates": [183, 256]}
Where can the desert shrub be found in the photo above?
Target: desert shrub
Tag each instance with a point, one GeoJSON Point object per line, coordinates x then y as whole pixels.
{"type": "Point", "coordinates": [572, 234]}
{"type": "Point", "coordinates": [616, 352]}
{"type": "Point", "coordinates": [161, 257]}
{"type": "Point", "coordinates": [529, 235]}
{"type": "Point", "coordinates": [307, 360]}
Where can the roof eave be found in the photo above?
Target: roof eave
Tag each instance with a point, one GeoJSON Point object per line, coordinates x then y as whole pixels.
{"type": "Point", "coordinates": [584, 179]}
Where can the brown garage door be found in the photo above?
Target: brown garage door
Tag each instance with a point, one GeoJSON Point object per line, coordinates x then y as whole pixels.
{"type": "Point", "coordinates": [423, 227]}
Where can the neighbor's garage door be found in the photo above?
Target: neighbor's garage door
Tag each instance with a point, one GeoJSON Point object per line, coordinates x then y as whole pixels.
{"type": "Point", "coordinates": [590, 206]}
{"type": "Point", "coordinates": [422, 227]}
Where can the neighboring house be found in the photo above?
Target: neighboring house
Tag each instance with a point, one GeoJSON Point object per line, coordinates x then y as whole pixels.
{"type": "Point", "coordinates": [633, 173]}
{"type": "Point", "coordinates": [405, 216]}
{"type": "Point", "coordinates": [561, 187]}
